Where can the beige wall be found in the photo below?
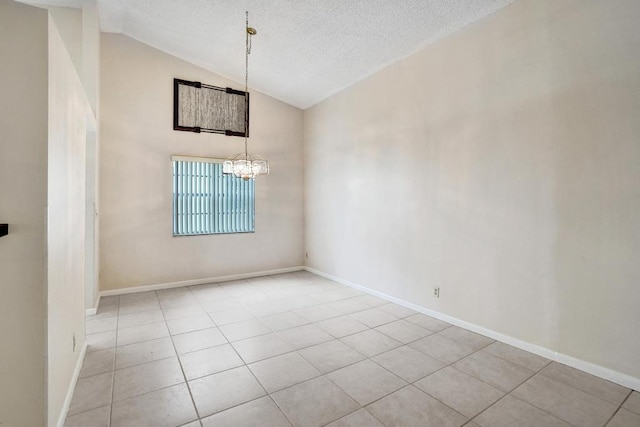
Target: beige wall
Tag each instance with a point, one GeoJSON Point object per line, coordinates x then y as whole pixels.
{"type": "Point", "coordinates": [137, 141]}
{"type": "Point", "coordinates": [91, 53]}
{"type": "Point", "coordinates": [500, 164]}
{"type": "Point", "coordinates": [69, 24]}
{"type": "Point", "coordinates": [69, 113]}
{"type": "Point", "coordinates": [79, 31]}
{"type": "Point", "coordinates": [23, 197]}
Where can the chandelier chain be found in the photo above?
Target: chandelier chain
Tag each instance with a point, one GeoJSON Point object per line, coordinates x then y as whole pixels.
{"type": "Point", "coordinates": [246, 86]}
{"type": "Point", "coordinates": [244, 165]}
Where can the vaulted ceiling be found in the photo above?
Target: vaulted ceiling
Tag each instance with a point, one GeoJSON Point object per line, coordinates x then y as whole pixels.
{"type": "Point", "coordinates": [305, 50]}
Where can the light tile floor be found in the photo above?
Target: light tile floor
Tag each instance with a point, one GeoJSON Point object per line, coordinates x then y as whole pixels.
{"type": "Point", "coordinates": [297, 349]}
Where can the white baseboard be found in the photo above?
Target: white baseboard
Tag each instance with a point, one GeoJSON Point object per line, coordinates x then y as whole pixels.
{"type": "Point", "coordinates": [591, 368]}
{"type": "Point", "coordinates": [193, 282]}
{"type": "Point", "coordinates": [72, 386]}
{"type": "Point", "coordinates": [96, 306]}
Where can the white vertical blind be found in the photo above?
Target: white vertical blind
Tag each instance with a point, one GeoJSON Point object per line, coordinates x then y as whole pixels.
{"type": "Point", "coordinates": [206, 201]}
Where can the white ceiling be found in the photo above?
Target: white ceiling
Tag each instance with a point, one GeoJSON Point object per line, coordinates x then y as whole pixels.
{"type": "Point", "coordinates": [305, 50]}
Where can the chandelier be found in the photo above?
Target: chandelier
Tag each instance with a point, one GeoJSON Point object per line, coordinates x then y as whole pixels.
{"type": "Point", "coordinates": [245, 165]}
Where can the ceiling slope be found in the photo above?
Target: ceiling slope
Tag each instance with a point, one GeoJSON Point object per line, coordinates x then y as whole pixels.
{"type": "Point", "coordinates": [305, 50]}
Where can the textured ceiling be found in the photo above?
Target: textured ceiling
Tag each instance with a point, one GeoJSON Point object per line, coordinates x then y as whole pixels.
{"type": "Point", "coordinates": [305, 50]}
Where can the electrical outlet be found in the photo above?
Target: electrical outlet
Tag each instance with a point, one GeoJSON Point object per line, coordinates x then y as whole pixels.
{"type": "Point", "coordinates": [74, 343]}
{"type": "Point", "coordinates": [436, 292]}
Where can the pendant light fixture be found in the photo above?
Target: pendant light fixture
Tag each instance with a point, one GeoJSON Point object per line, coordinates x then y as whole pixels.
{"type": "Point", "coordinates": [245, 165]}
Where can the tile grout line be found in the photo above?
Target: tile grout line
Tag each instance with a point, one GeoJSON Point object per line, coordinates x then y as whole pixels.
{"type": "Point", "coordinates": [267, 394]}
{"type": "Point", "coordinates": [518, 364]}
{"type": "Point", "coordinates": [620, 407]}
{"type": "Point", "coordinates": [292, 385]}
{"type": "Point", "coordinates": [450, 365]}
{"type": "Point", "coordinates": [193, 401]}
{"type": "Point", "coordinates": [508, 393]}
{"type": "Point", "coordinates": [407, 383]}
{"type": "Point", "coordinates": [116, 330]}
{"type": "Point", "coordinates": [567, 385]}
{"type": "Point", "coordinates": [412, 383]}
{"type": "Point", "coordinates": [584, 391]}
{"type": "Point", "coordinates": [614, 414]}
{"type": "Point", "coordinates": [258, 318]}
{"type": "Point", "coordinates": [489, 407]}
{"type": "Point", "coordinates": [113, 376]}
{"type": "Point", "coordinates": [295, 299]}
{"type": "Point", "coordinates": [281, 410]}
{"type": "Point", "coordinates": [522, 400]}
{"type": "Point", "coordinates": [90, 376]}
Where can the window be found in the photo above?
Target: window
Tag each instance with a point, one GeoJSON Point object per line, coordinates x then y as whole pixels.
{"type": "Point", "coordinates": [206, 201]}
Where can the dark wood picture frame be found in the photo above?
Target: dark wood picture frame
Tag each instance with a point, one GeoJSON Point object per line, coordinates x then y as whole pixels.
{"type": "Point", "coordinates": [198, 129]}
